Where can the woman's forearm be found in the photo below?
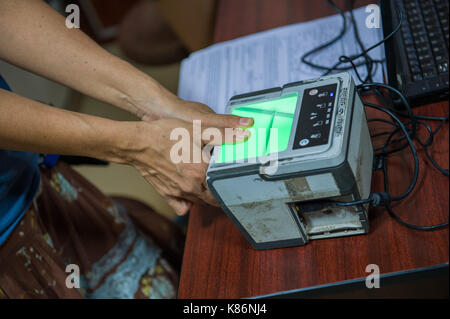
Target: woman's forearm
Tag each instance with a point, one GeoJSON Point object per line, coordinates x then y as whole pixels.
{"type": "Point", "coordinates": [43, 44]}
{"type": "Point", "coordinates": [27, 125]}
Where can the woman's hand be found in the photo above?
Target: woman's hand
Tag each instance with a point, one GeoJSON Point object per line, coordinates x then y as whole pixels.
{"type": "Point", "coordinates": [166, 105]}
{"type": "Point", "coordinates": [149, 148]}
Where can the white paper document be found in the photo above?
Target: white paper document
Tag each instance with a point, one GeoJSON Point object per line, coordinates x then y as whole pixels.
{"type": "Point", "coordinates": [272, 58]}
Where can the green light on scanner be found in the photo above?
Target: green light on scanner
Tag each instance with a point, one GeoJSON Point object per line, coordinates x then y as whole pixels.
{"type": "Point", "coordinates": [270, 132]}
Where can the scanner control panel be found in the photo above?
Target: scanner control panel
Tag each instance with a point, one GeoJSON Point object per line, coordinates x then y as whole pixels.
{"type": "Point", "coordinates": [316, 116]}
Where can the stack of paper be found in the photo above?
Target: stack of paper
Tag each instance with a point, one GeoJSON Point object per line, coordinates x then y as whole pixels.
{"type": "Point", "coordinates": [272, 58]}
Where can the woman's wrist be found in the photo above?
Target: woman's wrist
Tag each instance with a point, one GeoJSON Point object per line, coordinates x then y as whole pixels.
{"type": "Point", "coordinates": [137, 92]}
{"type": "Point", "coordinates": [123, 141]}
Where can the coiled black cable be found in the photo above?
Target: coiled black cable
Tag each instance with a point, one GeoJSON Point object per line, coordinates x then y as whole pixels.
{"type": "Point", "coordinates": [409, 129]}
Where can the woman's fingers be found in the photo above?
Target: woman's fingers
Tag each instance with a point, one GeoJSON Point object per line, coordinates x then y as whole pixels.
{"type": "Point", "coordinates": [226, 120]}
{"type": "Point", "coordinates": [219, 136]}
{"type": "Point", "coordinates": [180, 206]}
{"type": "Point", "coordinates": [180, 179]}
{"type": "Point", "coordinates": [207, 197]}
{"type": "Point", "coordinates": [190, 111]}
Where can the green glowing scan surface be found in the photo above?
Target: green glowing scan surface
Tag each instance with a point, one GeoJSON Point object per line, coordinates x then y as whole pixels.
{"type": "Point", "coordinates": [270, 132]}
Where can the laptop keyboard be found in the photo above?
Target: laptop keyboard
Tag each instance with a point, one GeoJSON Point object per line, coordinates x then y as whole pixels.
{"type": "Point", "coordinates": [425, 37]}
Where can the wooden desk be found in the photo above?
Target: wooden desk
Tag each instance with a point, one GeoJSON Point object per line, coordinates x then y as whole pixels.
{"type": "Point", "coordinates": [218, 261]}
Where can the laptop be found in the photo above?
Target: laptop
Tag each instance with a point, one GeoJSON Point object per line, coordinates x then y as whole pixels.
{"type": "Point", "coordinates": [419, 66]}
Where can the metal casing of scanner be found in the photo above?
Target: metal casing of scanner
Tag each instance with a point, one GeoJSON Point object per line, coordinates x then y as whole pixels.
{"type": "Point", "coordinates": [267, 199]}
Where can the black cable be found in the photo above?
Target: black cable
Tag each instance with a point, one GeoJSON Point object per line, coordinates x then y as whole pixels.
{"type": "Point", "coordinates": [426, 145]}
{"type": "Point", "coordinates": [402, 98]}
{"type": "Point", "coordinates": [390, 35]}
{"type": "Point", "coordinates": [409, 129]}
{"type": "Point", "coordinates": [368, 59]}
{"type": "Point", "coordinates": [386, 102]}
{"type": "Point", "coordinates": [382, 121]}
{"type": "Point", "coordinates": [411, 146]}
{"type": "Point", "coordinates": [416, 227]}
{"type": "Point", "coordinates": [414, 181]}
{"type": "Point", "coordinates": [327, 44]}
{"type": "Point", "coordinates": [369, 62]}
{"type": "Point", "coordinates": [378, 135]}
{"type": "Point", "coordinates": [397, 218]}
{"type": "Point", "coordinates": [385, 197]}
{"type": "Point", "coordinates": [389, 141]}
{"type": "Point", "coordinates": [424, 117]}
{"type": "Point", "coordinates": [350, 59]}
{"type": "Point", "coordinates": [443, 171]}
{"type": "Point", "coordinates": [375, 196]}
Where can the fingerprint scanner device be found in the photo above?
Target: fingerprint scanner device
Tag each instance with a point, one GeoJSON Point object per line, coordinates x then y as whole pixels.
{"type": "Point", "coordinates": [309, 145]}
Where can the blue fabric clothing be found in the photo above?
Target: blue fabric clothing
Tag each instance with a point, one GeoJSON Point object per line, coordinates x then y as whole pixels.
{"type": "Point", "coordinates": [19, 182]}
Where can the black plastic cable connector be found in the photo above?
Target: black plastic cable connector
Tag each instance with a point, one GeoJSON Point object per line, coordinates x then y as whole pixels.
{"type": "Point", "coordinates": [380, 199]}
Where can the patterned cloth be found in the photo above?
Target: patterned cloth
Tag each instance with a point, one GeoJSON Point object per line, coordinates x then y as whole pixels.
{"type": "Point", "coordinates": [122, 248]}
